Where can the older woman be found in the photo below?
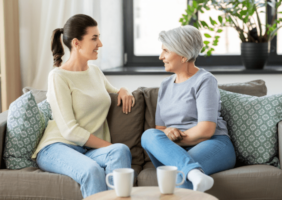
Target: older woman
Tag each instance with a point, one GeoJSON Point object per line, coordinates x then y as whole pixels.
{"type": "Point", "coordinates": [189, 132]}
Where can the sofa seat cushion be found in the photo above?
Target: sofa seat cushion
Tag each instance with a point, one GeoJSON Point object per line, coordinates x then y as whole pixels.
{"type": "Point", "coordinates": [33, 184]}
{"type": "Point", "coordinates": [244, 183]}
{"type": "Point", "coordinates": [147, 177]}
{"type": "Point", "coordinates": [137, 169]}
{"type": "Point", "coordinates": [148, 165]}
{"type": "Point", "coordinates": [248, 182]}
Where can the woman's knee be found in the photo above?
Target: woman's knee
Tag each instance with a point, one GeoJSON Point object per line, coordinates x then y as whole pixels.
{"type": "Point", "coordinates": [121, 150]}
{"type": "Point", "coordinates": [228, 153]}
{"type": "Point", "coordinates": [231, 156]}
{"type": "Point", "coordinates": [150, 135]}
{"type": "Point", "coordinates": [92, 171]}
{"type": "Point", "coordinates": [223, 158]}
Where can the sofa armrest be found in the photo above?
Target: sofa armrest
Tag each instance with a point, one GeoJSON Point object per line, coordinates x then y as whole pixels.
{"type": "Point", "coordinates": [3, 125]}
{"type": "Point", "coordinates": [280, 142]}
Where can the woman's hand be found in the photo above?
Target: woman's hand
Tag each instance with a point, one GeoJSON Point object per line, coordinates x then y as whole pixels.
{"type": "Point", "coordinates": [127, 99]}
{"type": "Point", "coordinates": [174, 134]}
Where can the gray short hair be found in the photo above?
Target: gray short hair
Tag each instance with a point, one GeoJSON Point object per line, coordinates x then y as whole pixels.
{"type": "Point", "coordinates": [186, 41]}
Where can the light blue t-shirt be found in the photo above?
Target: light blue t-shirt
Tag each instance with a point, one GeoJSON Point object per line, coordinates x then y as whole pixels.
{"type": "Point", "coordinates": [183, 105]}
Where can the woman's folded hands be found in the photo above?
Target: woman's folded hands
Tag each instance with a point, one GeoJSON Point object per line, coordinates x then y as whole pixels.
{"type": "Point", "coordinates": [174, 134]}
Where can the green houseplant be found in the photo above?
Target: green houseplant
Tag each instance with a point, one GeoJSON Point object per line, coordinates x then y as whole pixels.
{"type": "Point", "coordinates": [243, 15]}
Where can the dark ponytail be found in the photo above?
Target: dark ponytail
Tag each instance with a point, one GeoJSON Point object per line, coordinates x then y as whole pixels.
{"type": "Point", "coordinates": [75, 27]}
{"type": "Point", "coordinates": [57, 47]}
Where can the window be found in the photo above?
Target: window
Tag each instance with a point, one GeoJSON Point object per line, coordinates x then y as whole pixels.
{"type": "Point", "coordinates": [229, 42]}
{"type": "Point", "coordinates": [149, 22]}
{"type": "Point", "coordinates": [144, 19]}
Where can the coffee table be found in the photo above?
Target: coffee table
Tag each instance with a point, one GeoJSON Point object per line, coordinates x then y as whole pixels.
{"type": "Point", "coordinates": [152, 193]}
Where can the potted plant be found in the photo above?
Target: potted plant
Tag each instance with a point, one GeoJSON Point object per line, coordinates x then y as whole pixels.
{"type": "Point", "coordinates": [255, 35]}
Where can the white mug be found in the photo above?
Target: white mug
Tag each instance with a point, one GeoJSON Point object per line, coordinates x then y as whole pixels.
{"type": "Point", "coordinates": [123, 181]}
{"type": "Point", "coordinates": [167, 176]}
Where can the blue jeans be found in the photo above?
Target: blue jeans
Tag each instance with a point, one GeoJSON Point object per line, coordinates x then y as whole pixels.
{"type": "Point", "coordinates": [210, 156]}
{"type": "Point", "coordinates": [86, 166]}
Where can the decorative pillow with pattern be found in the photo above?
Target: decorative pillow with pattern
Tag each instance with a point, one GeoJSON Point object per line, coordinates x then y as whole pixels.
{"type": "Point", "coordinates": [25, 126]}
{"type": "Point", "coordinates": [252, 126]}
{"type": "Point", "coordinates": [44, 107]}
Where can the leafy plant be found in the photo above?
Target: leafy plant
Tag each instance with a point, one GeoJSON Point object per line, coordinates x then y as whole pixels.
{"type": "Point", "coordinates": [239, 14]}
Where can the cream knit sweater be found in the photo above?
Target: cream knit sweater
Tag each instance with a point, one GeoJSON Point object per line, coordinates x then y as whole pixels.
{"type": "Point", "coordinates": [80, 103]}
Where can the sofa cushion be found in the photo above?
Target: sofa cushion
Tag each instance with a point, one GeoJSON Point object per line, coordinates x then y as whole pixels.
{"type": "Point", "coordinates": [39, 95]}
{"type": "Point", "coordinates": [25, 126]}
{"type": "Point", "coordinates": [148, 165]}
{"type": "Point", "coordinates": [137, 169]}
{"type": "Point", "coordinates": [148, 177]}
{"type": "Point", "coordinates": [246, 183]}
{"type": "Point", "coordinates": [3, 127]}
{"type": "Point", "coordinates": [34, 184]}
{"type": "Point", "coordinates": [128, 128]}
{"type": "Point", "coordinates": [252, 126]}
{"type": "Point", "coordinates": [256, 88]}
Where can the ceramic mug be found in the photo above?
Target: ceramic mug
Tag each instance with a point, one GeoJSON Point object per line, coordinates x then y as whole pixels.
{"type": "Point", "coordinates": [167, 179]}
{"type": "Point", "coordinates": [123, 181]}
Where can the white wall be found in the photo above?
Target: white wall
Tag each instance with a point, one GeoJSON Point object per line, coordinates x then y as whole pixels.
{"type": "Point", "coordinates": [132, 82]}
{"type": "Point", "coordinates": [38, 19]}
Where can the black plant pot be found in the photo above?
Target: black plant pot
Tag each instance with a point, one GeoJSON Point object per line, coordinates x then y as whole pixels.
{"type": "Point", "coordinates": [255, 55]}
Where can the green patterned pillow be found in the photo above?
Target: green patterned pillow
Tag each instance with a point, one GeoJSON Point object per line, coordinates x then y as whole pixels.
{"type": "Point", "coordinates": [252, 126]}
{"type": "Point", "coordinates": [44, 107]}
{"type": "Point", "coordinates": [25, 125]}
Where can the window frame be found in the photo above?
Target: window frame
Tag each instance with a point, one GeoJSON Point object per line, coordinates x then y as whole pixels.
{"type": "Point", "coordinates": [131, 60]}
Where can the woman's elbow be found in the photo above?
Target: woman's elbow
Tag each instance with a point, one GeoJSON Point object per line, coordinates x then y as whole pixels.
{"type": "Point", "coordinates": [208, 129]}
{"type": "Point", "coordinates": [69, 136]}
{"type": "Point", "coordinates": [210, 133]}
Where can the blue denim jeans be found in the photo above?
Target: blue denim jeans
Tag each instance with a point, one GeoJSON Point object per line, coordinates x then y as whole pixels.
{"type": "Point", "coordinates": [86, 166]}
{"type": "Point", "coordinates": [210, 156]}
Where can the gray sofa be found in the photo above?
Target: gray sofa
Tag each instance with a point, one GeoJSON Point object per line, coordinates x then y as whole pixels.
{"type": "Point", "coordinates": [251, 182]}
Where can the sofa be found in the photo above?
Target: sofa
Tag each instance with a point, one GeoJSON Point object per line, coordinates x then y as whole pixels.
{"type": "Point", "coordinates": [248, 182]}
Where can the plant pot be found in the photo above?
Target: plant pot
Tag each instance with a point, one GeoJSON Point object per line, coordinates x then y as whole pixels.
{"type": "Point", "coordinates": [255, 55]}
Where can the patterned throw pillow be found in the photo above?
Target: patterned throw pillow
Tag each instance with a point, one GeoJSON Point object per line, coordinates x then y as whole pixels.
{"type": "Point", "coordinates": [252, 126]}
{"type": "Point", "coordinates": [25, 125]}
{"type": "Point", "coordinates": [44, 107]}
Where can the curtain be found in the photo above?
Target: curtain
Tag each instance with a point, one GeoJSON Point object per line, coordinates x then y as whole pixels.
{"type": "Point", "coordinates": [38, 18]}
{"type": "Point", "coordinates": [10, 79]}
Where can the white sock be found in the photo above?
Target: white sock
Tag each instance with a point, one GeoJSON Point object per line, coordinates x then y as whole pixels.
{"type": "Point", "coordinates": [201, 182]}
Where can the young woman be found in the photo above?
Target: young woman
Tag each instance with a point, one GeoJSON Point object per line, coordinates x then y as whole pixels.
{"type": "Point", "coordinates": [189, 132]}
{"type": "Point", "coordinates": [77, 142]}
